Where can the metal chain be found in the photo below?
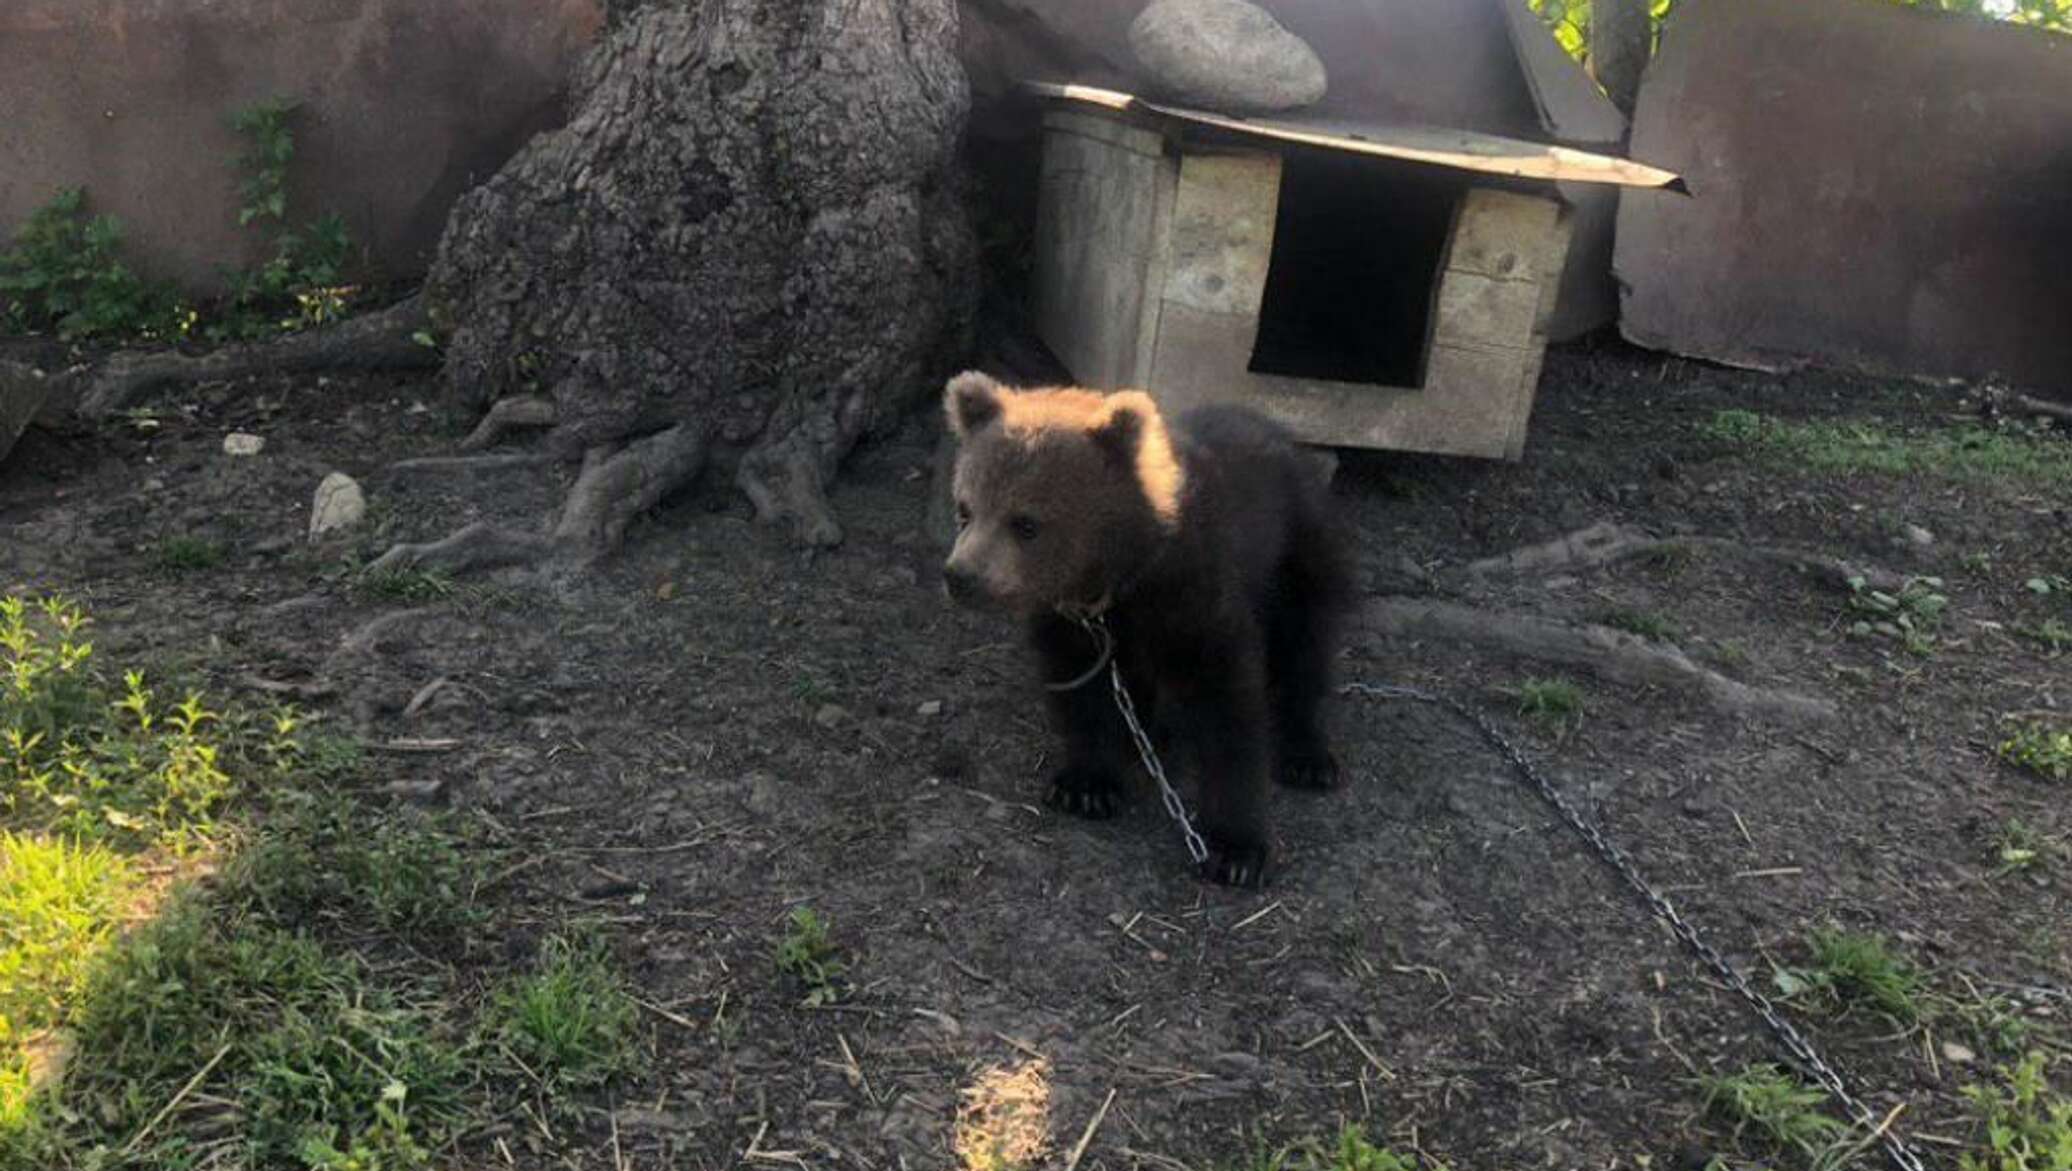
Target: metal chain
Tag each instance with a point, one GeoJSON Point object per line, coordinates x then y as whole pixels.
{"type": "Point", "coordinates": [1097, 625]}
{"type": "Point", "coordinates": [1794, 1042]}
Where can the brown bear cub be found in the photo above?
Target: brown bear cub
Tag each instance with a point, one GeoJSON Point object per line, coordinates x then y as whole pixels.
{"type": "Point", "coordinates": [1208, 545]}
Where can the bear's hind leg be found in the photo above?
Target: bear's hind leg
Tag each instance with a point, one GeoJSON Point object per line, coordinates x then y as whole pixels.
{"type": "Point", "coordinates": [1302, 637]}
{"type": "Point", "coordinates": [1090, 782]}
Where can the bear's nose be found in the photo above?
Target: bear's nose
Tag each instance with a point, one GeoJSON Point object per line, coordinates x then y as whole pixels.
{"type": "Point", "coordinates": [960, 583]}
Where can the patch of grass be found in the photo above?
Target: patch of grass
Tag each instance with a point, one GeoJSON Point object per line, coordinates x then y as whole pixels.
{"type": "Point", "coordinates": [60, 902]}
{"type": "Point", "coordinates": [189, 553]}
{"type": "Point", "coordinates": [2024, 1126]}
{"type": "Point", "coordinates": [1853, 968]}
{"type": "Point", "coordinates": [1967, 452]}
{"type": "Point", "coordinates": [807, 954]}
{"type": "Point", "coordinates": [570, 1019]}
{"type": "Point", "coordinates": [1554, 702]}
{"type": "Point", "coordinates": [405, 585]}
{"type": "Point", "coordinates": [2040, 748]}
{"type": "Point", "coordinates": [64, 272]}
{"type": "Point", "coordinates": [329, 858]}
{"type": "Point", "coordinates": [1776, 1104]}
{"type": "Point", "coordinates": [1645, 623]}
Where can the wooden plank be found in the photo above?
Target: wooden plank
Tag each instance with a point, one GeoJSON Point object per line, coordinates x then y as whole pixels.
{"type": "Point", "coordinates": [1094, 241]}
{"type": "Point", "coordinates": [1473, 307]}
{"type": "Point", "coordinates": [1503, 235]}
{"type": "Point", "coordinates": [1222, 232]}
{"type": "Point", "coordinates": [1106, 128]}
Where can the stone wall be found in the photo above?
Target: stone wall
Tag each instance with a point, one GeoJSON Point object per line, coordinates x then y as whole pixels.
{"type": "Point", "coordinates": [406, 103]}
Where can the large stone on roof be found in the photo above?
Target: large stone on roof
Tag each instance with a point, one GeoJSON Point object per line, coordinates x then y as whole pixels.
{"type": "Point", "coordinates": [1226, 55]}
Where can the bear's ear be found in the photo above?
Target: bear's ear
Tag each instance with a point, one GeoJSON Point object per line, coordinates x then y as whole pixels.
{"type": "Point", "coordinates": [1120, 427]}
{"type": "Point", "coordinates": [972, 401]}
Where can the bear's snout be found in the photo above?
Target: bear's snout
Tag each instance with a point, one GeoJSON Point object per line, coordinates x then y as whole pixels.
{"type": "Point", "coordinates": [961, 584]}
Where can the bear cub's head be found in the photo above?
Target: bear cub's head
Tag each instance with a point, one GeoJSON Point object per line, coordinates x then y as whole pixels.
{"type": "Point", "coordinates": [1061, 494]}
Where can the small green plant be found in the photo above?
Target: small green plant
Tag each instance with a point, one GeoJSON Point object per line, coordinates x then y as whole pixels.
{"type": "Point", "coordinates": [1734, 426]}
{"type": "Point", "coordinates": [2041, 748]}
{"type": "Point", "coordinates": [1978, 562]}
{"type": "Point", "coordinates": [185, 553]}
{"type": "Point", "coordinates": [402, 872]}
{"type": "Point", "coordinates": [1849, 968]}
{"type": "Point", "coordinates": [409, 585]}
{"type": "Point", "coordinates": [1785, 1110]}
{"type": "Point", "coordinates": [807, 954]}
{"type": "Point", "coordinates": [2049, 584]}
{"type": "Point", "coordinates": [299, 285]}
{"type": "Point", "coordinates": [64, 271]}
{"type": "Point", "coordinates": [2025, 1126]}
{"type": "Point", "coordinates": [1351, 1151]}
{"type": "Point", "coordinates": [2019, 847]}
{"type": "Point", "coordinates": [1645, 623]}
{"type": "Point", "coordinates": [59, 902]}
{"type": "Point", "coordinates": [1555, 702]}
{"type": "Point", "coordinates": [569, 1020]}
{"type": "Point", "coordinates": [2053, 634]}
{"type": "Point", "coordinates": [1911, 615]}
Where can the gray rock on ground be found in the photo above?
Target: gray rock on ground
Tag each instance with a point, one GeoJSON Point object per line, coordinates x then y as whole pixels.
{"type": "Point", "coordinates": [339, 505]}
{"type": "Point", "coordinates": [1226, 55]}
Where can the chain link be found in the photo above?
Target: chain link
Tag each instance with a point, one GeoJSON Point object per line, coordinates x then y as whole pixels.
{"type": "Point", "coordinates": [1788, 1035]}
{"type": "Point", "coordinates": [1097, 625]}
{"type": "Point", "coordinates": [1794, 1042]}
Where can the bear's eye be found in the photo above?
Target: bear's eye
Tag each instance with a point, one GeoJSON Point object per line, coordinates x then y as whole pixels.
{"type": "Point", "coordinates": [963, 514]}
{"type": "Point", "coordinates": [1024, 528]}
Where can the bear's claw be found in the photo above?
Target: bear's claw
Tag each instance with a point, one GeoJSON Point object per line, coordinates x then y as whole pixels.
{"type": "Point", "coordinates": [1242, 866]}
{"type": "Point", "coordinates": [1085, 791]}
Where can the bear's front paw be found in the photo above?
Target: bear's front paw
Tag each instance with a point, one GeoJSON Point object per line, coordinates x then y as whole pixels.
{"type": "Point", "coordinates": [1239, 864]}
{"type": "Point", "coordinates": [1086, 791]}
{"type": "Point", "coordinates": [1308, 766]}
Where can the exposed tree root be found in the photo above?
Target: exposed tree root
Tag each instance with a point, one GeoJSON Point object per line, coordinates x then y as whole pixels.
{"type": "Point", "coordinates": [613, 488]}
{"type": "Point", "coordinates": [1607, 653]}
{"type": "Point", "coordinates": [508, 415]}
{"type": "Point", "coordinates": [784, 482]}
{"type": "Point", "coordinates": [372, 341]}
{"type": "Point", "coordinates": [1606, 542]}
{"type": "Point", "coordinates": [435, 465]}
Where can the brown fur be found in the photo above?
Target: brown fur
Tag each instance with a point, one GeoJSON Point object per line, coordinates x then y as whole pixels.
{"type": "Point", "coordinates": [1210, 550]}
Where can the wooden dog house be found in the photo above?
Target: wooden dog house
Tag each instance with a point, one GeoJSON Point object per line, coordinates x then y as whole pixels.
{"type": "Point", "coordinates": [1377, 287]}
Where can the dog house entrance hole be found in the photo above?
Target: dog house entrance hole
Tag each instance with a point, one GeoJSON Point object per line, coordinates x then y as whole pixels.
{"type": "Point", "coordinates": [1357, 248]}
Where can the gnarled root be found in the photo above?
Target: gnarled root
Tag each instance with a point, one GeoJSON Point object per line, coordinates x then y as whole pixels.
{"type": "Point", "coordinates": [784, 482]}
{"type": "Point", "coordinates": [507, 415]}
{"type": "Point", "coordinates": [1610, 654]}
{"type": "Point", "coordinates": [385, 340]}
{"type": "Point", "coordinates": [613, 488]}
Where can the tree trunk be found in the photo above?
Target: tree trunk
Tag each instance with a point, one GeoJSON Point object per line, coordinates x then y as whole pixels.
{"type": "Point", "coordinates": [748, 242]}
{"type": "Point", "coordinates": [1621, 41]}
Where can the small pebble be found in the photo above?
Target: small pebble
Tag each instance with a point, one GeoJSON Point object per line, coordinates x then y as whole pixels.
{"type": "Point", "coordinates": [242, 443]}
{"type": "Point", "coordinates": [932, 708]}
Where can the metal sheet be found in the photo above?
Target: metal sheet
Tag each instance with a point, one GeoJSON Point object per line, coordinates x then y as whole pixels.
{"type": "Point", "coordinates": [1873, 187]}
{"type": "Point", "coordinates": [1465, 150]}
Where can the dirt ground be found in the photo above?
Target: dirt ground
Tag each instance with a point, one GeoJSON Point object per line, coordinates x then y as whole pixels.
{"type": "Point", "coordinates": [717, 727]}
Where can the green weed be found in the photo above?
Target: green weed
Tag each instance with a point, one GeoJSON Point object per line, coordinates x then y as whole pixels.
{"type": "Point", "coordinates": [189, 553]}
{"type": "Point", "coordinates": [2040, 748]}
{"type": "Point", "coordinates": [2018, 847]}
{"type": "Point", "coordinates": [569, 1020]}
{"type": "Point", "coordinates": [331, 859]}
{"type": "Point", "coordinates": [1554, 702]}
{"type": "Point", "coordinates": [1645, 623]}
{"type": "Point", "coordinates": [1850, 968]}
{"type": "Point", "coordinates": [1911, 615]}
{"type": "Point", "coordinates": [2025, 1126]}
{"type": "Point", "coordinates": [299, 285]}
{"type": "Point", "coordinates": [408, 585]}
{"type": "Point", "coordinates": [2053, 634]}
{"type": "Point", "coordinates": [1785, 1110]}
{"type": "Point", "coordinates": [64, 272]}
{"type": "Point", "coordinates": [806, 953]}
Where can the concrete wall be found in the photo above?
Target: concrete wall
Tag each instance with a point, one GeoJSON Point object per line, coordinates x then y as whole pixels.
{"type": "Point", "coordinates": [407, 103]}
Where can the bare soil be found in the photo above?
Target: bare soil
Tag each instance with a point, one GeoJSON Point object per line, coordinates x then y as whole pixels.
{"type": "Point", "coordinates": [717, 726]}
